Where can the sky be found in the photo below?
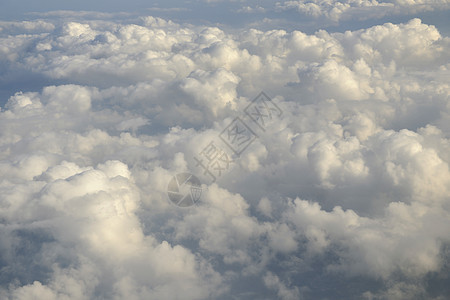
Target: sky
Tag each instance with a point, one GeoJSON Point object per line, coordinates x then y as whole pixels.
{"type": "Point", "coordinates": [225, 149]}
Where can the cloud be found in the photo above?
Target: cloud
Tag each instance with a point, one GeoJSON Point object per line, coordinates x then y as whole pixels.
{"type": "Point", "coordinates": [250, 9]}
{"type": "Point", "coordinates": [26, 26]}
{"type": "Point", "coordinates": [272, 281]}
{"type": "Point", "coordinates": [350, 186]}
{"type": "Point", "coordinates": [349, 9]}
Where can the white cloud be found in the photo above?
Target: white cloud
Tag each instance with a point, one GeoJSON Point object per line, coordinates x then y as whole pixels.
{"type": "Point", "coordinates": [250, 9]}
{"type": "Point", "coordinates": [348, 9]}
{"type": "Point", "coordinates": [273, 282]}
{"type": "Point", "coordinates": [351, 183]}
{"type": "Point", "coordinates": [26, 26]}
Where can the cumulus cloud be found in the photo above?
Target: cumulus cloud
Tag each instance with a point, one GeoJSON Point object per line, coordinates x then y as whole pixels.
{"type": "Point", "coordinates": [348, 187]}
{"type": "Point", "coordinates": [348, 9]}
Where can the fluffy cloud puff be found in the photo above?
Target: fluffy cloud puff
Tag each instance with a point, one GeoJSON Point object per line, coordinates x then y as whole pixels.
{"type": "Point", "coordinates": [344, 10]}
{"type": "Point", "coordinates": [349, 187]}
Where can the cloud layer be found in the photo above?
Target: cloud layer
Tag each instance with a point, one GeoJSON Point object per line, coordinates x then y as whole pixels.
{"type": "Point", "coordinates": [346, 195]}
{"type": "Point", "coordinates": [335, 10]}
